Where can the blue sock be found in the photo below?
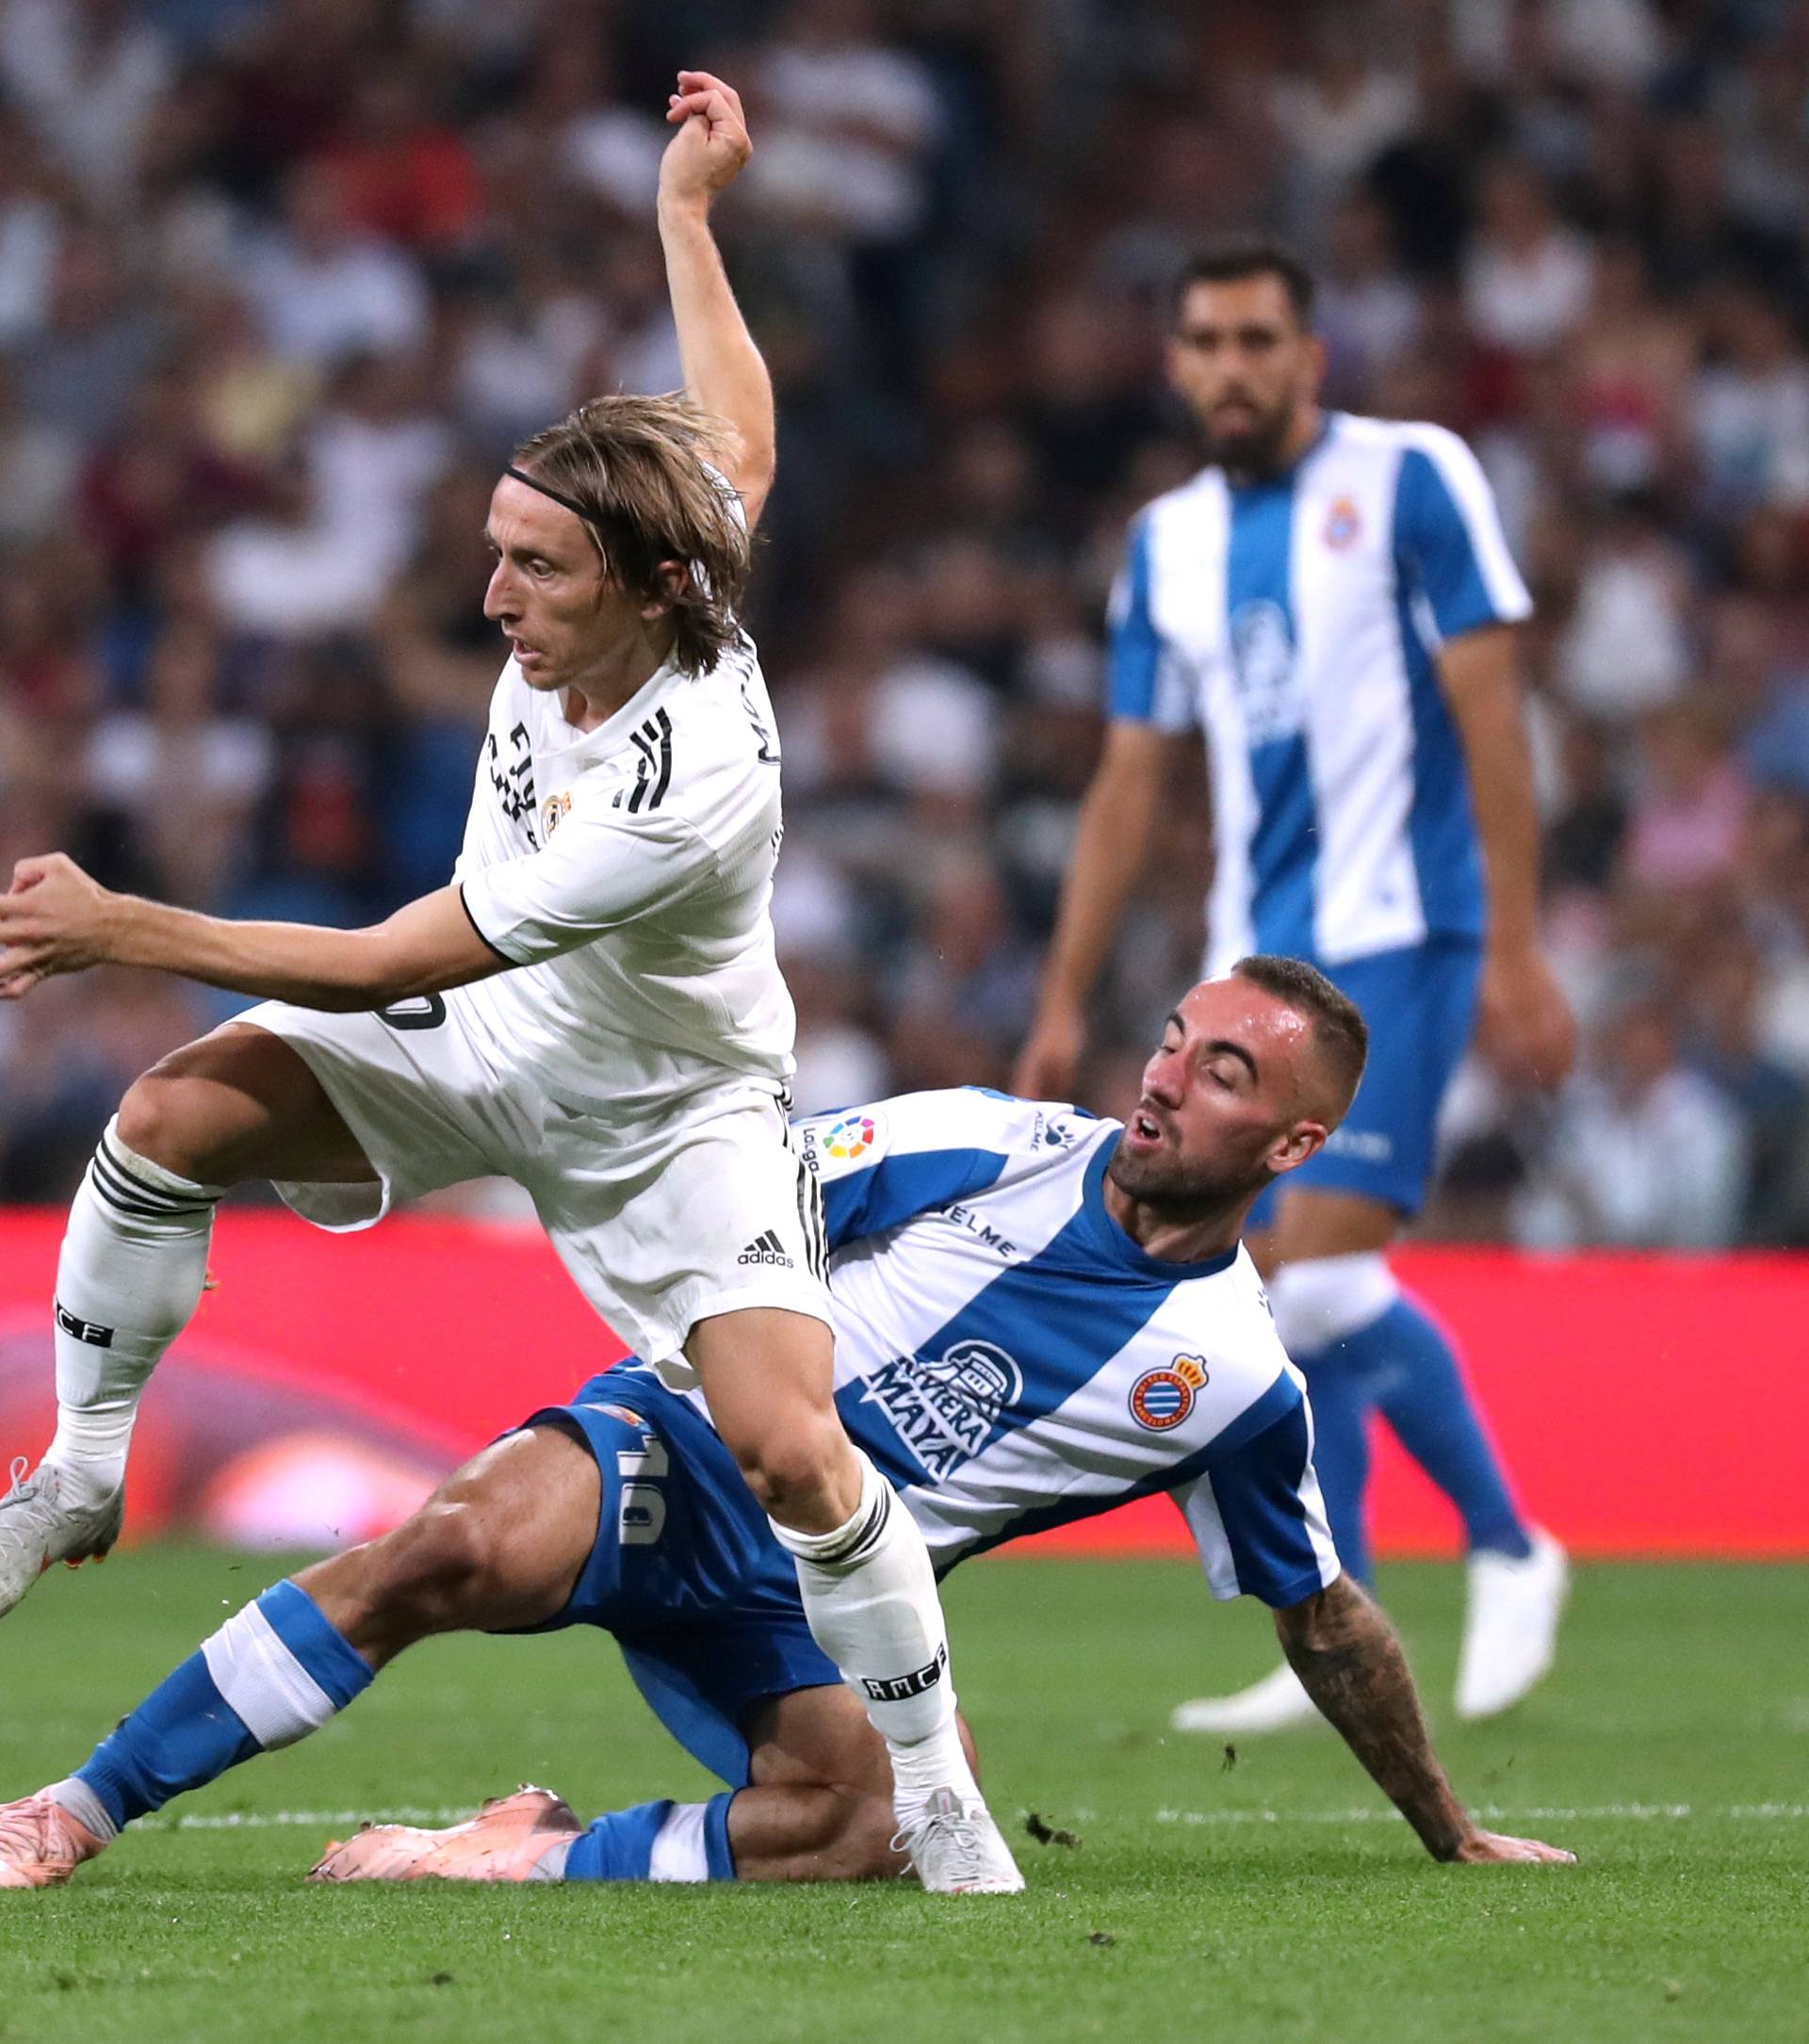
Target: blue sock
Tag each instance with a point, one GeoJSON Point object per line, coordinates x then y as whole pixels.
{"type": "Point", "coordinates": [1342, 1399]}
{"type": "Point", "coordinates": [270, 1675]}
{"type": "Point", "coordinates": [1420, 1388]}
{"type": "Point", "coordinates": [620, 1846]}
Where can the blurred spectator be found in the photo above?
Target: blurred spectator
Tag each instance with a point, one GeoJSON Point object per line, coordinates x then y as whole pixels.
{"type": "Point", "coordinates": [326, 290]}
{"type": "Point", "coordinates": [88, 74]}
{"type": "Point", "coordinates": [1616, 1174]}
{"type": "Point", "coordinates": [1527, 279]}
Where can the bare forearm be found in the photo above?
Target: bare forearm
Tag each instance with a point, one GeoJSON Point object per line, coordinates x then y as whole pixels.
{"type": "Point", "coordinates": [335, 969]}
{"type": "Point", "coordinates": [1109, 850]}
{"type": "Point", "coordinates": [1349, 1660]}
{"type": "Point", "coordinates": [723, 369]}
{"type": "Point", "coordinates": [1483, 687]}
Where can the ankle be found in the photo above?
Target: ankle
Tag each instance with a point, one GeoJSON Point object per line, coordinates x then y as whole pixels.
{"type": "Point", "coordinates": [924, 1765]}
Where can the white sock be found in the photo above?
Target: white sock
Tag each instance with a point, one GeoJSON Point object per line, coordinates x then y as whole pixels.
{"type": "Point", "coordinates": [679, 1853]}
{"type": "Point", "coordinates": [870, 1595]}
{"type": "Point", "coordinates": [134, 1261]}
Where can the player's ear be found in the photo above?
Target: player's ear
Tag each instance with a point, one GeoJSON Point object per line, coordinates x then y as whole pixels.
{"type": "Point", "coordinates": [1300, 1141]}
{"type": "Point", "coordinates": [673, 578]}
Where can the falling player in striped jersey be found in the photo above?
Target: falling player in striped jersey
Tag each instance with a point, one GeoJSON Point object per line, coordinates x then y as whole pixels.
{"type": "Point", "coordinates": [592, 1007]}
{"type": "Point", "coordinates": [1039, 1315]}
{"type": "Point", "coordinates": [1331, 601]}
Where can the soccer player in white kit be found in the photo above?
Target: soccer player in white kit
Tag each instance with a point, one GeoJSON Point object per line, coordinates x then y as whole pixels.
{"type": "Point", "coordinates": [593, 1007]}
{"type": "Point", "coordinates": [1331, 601]}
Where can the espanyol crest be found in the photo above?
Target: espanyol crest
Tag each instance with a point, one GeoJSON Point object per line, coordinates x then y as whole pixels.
{"type": "Point", "coordinates": [1160, 1399]}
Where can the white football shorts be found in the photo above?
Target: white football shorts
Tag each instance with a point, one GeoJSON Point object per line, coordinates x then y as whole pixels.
{"type": "Point", "coordinates": [662, 1219]}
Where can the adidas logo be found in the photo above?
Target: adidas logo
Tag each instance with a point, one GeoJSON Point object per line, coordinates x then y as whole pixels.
{"type": "Point", "coordinates": [766, 1249]}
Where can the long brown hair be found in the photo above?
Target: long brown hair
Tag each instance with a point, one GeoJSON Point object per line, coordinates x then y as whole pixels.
{"type": "Point", "coordinates": [644, 470]}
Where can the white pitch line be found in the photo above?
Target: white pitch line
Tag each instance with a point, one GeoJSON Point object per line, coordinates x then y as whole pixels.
{"type": "Point", "coordinates": [1495, 1813]}
{"type": "Point", "coordinates": [268, 1820]}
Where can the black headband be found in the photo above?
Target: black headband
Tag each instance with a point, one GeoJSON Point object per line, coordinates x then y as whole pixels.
{"type": "Point", "coordinates": [559, 496]}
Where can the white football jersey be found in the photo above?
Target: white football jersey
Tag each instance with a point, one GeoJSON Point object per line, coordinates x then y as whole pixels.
{"type": "Point", "coordinates": [627, 873]}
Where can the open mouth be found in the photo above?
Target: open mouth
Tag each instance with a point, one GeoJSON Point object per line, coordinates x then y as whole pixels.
{"type": "Point", "coordinates": [1144, 1127]}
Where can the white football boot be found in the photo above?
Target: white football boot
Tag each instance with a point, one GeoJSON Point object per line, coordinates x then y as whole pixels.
{"type": "Point", "coordinates": [1272, 1704]}
{"type": "Point", "coordinates": [955, 1847]}
{"type": "Point", "coordinates": [37, 1527]}
{"type": "Point", "coordinates": [1510, 1626]}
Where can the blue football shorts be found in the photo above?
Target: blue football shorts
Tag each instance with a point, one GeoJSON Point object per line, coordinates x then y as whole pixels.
{"type": "Point", "coordinates": [685, 1572]}
{"type": "Point", "coordinates": [1420, 1005]}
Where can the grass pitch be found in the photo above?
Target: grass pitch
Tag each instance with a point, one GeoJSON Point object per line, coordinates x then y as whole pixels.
{"type": "Point", "coordinates": [1265, 1895]}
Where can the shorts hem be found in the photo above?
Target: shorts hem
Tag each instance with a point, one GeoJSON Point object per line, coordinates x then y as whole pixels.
{"type": "Point", "coordinates": [301, 1196]}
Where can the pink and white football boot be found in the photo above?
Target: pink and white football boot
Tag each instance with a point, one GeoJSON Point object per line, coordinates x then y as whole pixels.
{"type": "Point", "coordinates": [506, 1840]}
{"type": "Point", "coordinates": [41, 1843]}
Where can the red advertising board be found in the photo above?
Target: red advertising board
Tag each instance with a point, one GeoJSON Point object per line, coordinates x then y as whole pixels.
{"type": "Point", "coordinates": [1646, 1404]}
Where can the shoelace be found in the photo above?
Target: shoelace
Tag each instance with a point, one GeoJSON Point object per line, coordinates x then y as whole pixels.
{"type": "Point", "coordinates": [24, 1825]}
{"type": "Point", "coordinates": [17, 1472]}
{"type": "Point", "coordinates": [968, 1859]}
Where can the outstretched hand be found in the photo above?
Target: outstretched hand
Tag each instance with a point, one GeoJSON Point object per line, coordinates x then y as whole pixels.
{"type": "Point", "coordinates": [712, 143]}
{"type": "Point", "coordinates": [52, 920]}
{"type": "Point", "coordinates": [1492, 1848]}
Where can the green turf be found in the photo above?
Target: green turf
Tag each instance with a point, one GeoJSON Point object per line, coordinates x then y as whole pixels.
{"type": "Point", "coordinates": [1208, 1900]}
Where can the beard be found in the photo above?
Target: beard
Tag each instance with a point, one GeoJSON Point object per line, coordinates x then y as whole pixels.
{"type": "Point", "coordinates": [1169, 1186]}
{"type": "Point", "coordinates": [1253, 450]}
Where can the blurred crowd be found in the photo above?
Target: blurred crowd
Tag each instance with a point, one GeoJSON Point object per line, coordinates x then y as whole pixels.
{"type": "Point", "coordinates": [283, 281]}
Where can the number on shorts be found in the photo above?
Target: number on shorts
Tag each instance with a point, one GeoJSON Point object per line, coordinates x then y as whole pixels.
{"type": "Point", "coordinates": [642, 1518]}
{"type": "Point", "coordinates": [419, 1011]}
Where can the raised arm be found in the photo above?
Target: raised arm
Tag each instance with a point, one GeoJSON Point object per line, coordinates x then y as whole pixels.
{"type": "Point", "coordinates": [724, 372]}
{"type": "Point", "coordinates": [57, 920]}
{"type": "Point", "coordinates": [1341, 1644]}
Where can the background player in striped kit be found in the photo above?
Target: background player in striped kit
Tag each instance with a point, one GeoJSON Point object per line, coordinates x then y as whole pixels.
{"type": "Point", "coordinates": [1330, 601]}
{"type": "Point", "coordinates": [592, 1007]}
{"type": "Point", "coordinates": [1039, 1315]}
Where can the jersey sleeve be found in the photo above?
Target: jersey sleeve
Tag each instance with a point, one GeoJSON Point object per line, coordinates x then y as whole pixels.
{"type": "Point", "coordinates": [1146, 681]}
{"type": "Point", "coordinates": [1255, 1511]}
{"type": "Point", "coordinates": [595, 874]}
{"type": "Point", "coordinates": [1449, 547]}
{"type": "Point", "coordinates": [880, 1165]}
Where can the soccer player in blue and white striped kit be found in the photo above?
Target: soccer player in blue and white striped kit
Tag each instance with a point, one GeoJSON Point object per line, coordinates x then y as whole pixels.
{"type": "Point", "coordinates": [1332, 602]}
{"type": "Point", "coordinates": [1037, 1314]}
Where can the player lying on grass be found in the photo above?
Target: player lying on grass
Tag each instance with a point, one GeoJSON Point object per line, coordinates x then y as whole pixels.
{"type": "Point", "coordinates": [1039, 1315]}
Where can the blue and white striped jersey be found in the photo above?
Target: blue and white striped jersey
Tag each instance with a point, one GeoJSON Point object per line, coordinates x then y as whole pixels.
{"type": "Point", "coordinates": [1295, 620]}
{"type": "Point", "coordinates": [1012, 1360]}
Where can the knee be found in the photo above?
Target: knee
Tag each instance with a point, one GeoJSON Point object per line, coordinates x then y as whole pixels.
{"type": "Point", "coordinates": [425, 1575]}
{"type": "Point", "coordinates": [793, 1471]}
{"type": "Point", "coordinates": [163, 1119]}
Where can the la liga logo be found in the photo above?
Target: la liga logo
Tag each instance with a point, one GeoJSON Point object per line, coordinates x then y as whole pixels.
{"type": "Point", "coordinates": [853, 1136]}
{"type": "Point", "coordinates": [1160, 1399]}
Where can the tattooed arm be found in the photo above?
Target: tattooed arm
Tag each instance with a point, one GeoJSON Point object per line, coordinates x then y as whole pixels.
{"type": "Point", "coordinates": [1345, 1652]}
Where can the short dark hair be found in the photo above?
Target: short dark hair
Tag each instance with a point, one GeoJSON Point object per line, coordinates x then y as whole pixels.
{"type": "Point", "coordinates": [1234, 257]}
{"type": "Point", "coordinates": [1339, 1031]}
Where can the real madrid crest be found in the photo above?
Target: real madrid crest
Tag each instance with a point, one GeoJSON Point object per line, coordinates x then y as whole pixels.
{"type": "Point", "coordinates": [551, 810]}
